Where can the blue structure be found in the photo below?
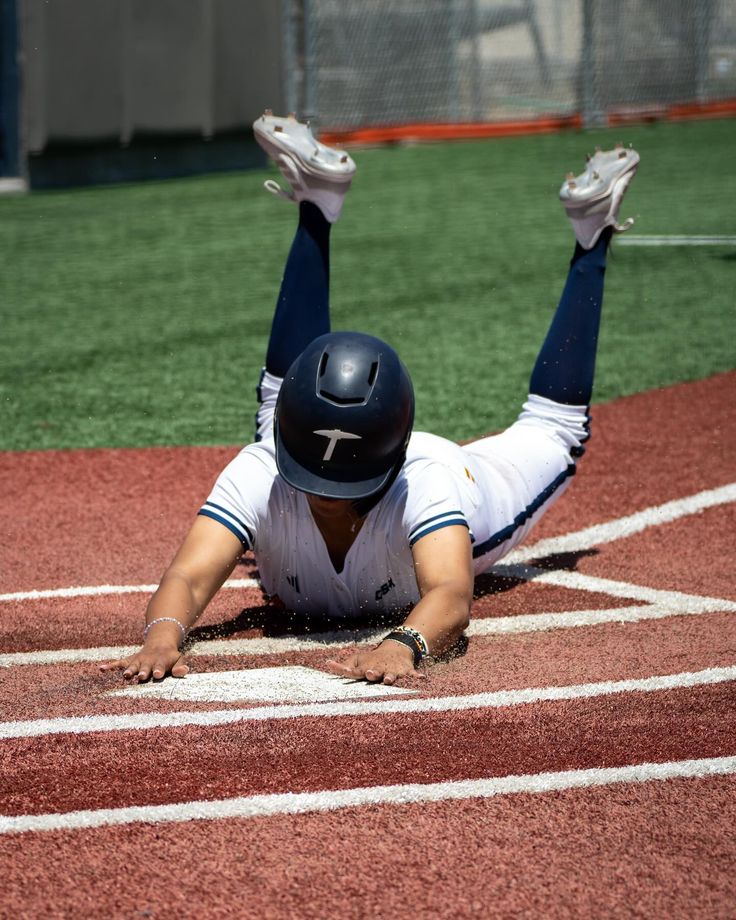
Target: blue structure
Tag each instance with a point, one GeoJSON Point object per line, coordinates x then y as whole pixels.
{"type": "Point", "coordinates": [9, 90]}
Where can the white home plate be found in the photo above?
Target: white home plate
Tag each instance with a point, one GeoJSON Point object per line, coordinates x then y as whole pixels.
{"type": "Point", "coordinates": [262, 685]}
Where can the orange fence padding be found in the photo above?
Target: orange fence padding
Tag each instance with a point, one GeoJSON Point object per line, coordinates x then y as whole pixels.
{"type": "Point", "coordinates": [426, 131]}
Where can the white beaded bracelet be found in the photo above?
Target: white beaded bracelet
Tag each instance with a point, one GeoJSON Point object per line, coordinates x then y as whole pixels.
{"type": "Point", "coordinates": [165, 620]}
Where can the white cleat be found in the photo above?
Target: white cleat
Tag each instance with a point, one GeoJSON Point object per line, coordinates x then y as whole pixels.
{"type": "Point", "coordinates": [592, 199]}
{"type": "Point", "coordinates": [315, 172]}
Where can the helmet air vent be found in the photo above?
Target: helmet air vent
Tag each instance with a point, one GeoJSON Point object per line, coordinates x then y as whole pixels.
{"type": "Point", "coordinates": [346, 379]}
{"type": "Point", "coordinates": [342, 400]}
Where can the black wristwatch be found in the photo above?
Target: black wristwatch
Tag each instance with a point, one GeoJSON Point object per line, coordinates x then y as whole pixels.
{"type": "Point", "coordinates": [414, 641]}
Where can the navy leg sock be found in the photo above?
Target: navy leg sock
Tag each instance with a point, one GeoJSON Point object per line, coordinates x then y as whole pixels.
{"type": "Point", "coordinates": [566, 364]}
{"type": "Point", "coordinates": [302, 309]}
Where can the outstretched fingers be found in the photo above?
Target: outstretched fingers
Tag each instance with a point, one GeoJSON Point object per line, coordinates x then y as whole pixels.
{"type": "Point", "coordinates": [129, 666]}
{"type": "Point", "coordinates": [142, 667]}
{"type": "Point", "coordinates": [373, 676]}
{"type": "Point", "coordinates": [379, 665]}
{"type": "Point", "coordinates": [346, 668]}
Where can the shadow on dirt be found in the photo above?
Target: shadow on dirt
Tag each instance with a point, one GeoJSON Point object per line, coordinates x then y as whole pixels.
{"type": "Point", "coordinates": [567, 562]}
{"type": "Point", "coordinates": [493, 583]}
{"type": "Point", "coordinates": [270, 620]}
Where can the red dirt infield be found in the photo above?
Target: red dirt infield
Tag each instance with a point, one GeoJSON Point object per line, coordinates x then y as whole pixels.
{"type": "Point", "coordinates": [632, 851]}
{"type": "Point", "coordinates": [618, 848]}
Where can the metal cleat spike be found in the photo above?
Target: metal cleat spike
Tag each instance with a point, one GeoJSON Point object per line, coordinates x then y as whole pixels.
{"type": "Point", "coordinates": [267, 112]}
{"type": "Point", "coordinates": [622, 154]}
{"type": "Point", "coordinates": [292, 115]}
{"type": "Point", "coordinates": [598, 149]}
{"type": "Point", "coordinates": [570, 175]}
{"type": "Point", "coordinates": [588, 158]}
{"type": "Point", "coordinates": [277, 128]}
{"type": "Point", "coordinates": [344, 158]}
{"type": "Point", "coordinates": [595, 175]}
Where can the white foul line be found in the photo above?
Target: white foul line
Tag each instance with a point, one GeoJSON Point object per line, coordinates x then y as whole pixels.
{"type": "Point", "coordinates": [580, 540]}
{"type": "Point", "coordinates": [674, 601]}
{"type": "Point", "coordinates": [657, 603]}
{"type": "Point", "coordinates": [625, 526]}
{"type": "Point", "coordinates": [103, 590]}
{"type": "Point", "coordinates": [260, 806]}
{"type": "Point", "coordinates": [494, 699]}
{"type": "Point", "coordinates": [670, 240]}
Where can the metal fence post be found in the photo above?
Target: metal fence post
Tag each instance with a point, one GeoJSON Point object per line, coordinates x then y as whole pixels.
{"type": "Point", "coordinates": [703, 29]}
{"type": "Point", "coordinates": [453, 82]}
{"type": "Point", "coordinates": [590, 105]}
{"type": "Point", "coordinates": [288, 55]}
{"type": "Point", "coordinates": [475, 70]}
{"type": "Point", "coordinates": [311, 111]}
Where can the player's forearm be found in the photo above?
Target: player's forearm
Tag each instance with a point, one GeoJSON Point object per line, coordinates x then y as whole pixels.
{"type": "Point", "coordinates": [175, 600]}
{"type": "Point", "coordinates": [441, 616]}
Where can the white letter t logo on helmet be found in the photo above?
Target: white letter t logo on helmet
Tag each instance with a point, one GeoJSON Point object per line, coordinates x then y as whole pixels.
{"type": "Point", "coordinates": [336, 435]}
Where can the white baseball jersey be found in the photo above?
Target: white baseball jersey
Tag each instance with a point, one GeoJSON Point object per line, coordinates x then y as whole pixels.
{"type": "Point", "coordinates": [496, 487]}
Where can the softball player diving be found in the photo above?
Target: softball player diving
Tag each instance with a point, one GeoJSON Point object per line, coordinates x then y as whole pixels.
{"type": "Point", "coordinates": [346, 510]}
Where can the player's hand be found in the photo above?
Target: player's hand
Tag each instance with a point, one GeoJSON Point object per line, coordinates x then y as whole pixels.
{"type": "Point", "coordinates": [384, 664]}
{"type": "Point", "coordinates": [154, 661]}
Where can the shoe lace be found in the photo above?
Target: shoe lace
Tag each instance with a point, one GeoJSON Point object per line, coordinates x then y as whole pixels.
{"type": "Point", "coordinates": [271, 186]}
{"type": "Point", "coordinates": [626, 225]}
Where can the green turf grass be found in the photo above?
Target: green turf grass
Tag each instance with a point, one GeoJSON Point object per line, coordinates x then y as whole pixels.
{"type": "Point", "coordinates": [139, 314]}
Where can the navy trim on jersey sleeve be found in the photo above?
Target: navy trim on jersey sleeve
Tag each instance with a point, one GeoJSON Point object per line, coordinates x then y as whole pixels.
{"type": "Point", "coordinates": [447, 519]}
{"type": "Point", "coordinates": [498, 538]}
{"type": "Point", "coordinates": [229, 520]}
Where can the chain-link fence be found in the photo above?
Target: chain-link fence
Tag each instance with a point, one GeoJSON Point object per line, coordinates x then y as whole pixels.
{"type": "Point", "coordinates": [359, 63]}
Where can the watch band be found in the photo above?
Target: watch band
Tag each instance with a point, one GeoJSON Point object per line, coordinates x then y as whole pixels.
{"type": "Point", "coordinates": [413, 640]}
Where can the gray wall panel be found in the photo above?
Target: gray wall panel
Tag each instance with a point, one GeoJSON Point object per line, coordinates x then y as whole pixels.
{"type": "Point", "coordinates": [33, 81]}
{"type": "Point", "coordinates": [101, 70]}
{"type": "Point", "coordinates": [82, 72]}
{"type": "Point", "coordinates": [168, 66]}
{"type": "Point", "coordinates": [248, 64]}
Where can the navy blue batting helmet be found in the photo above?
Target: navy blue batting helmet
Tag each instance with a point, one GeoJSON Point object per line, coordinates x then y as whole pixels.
{"type": "Point", "coordinates": [343, 417]}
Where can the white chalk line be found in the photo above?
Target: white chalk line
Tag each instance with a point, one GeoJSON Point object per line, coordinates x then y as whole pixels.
{"type": "Point", "coordinates": [657, 603]}
{"type": "Point", "coordinates": [261, 806]}
{"type": "Point", "coordinates": [577, 541]}
{"type": "Point", "coordinates": [493, 700]}
{"type": "Point", "coordinates": [103, 590]}
{"type": "Point", "coordinates": [625, 526]}
{"type": "Point", "coordinates": [674, 601]}
{"type": "Point", "coordinates": [671, 240]}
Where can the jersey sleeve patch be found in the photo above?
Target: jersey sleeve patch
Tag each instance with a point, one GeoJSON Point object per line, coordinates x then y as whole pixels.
{"type": "Point", "coordinates": [229, 520]}
{"type": "Point", "coordinates": [436, 522]}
